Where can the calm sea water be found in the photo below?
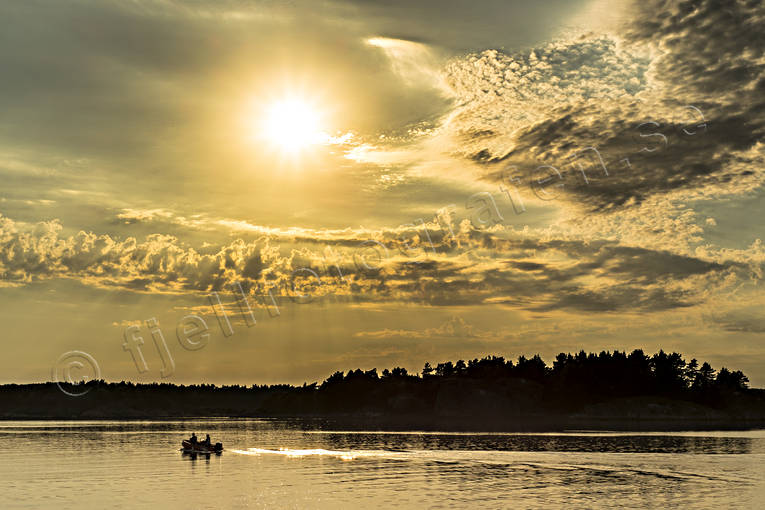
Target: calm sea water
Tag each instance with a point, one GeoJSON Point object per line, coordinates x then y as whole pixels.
{"type": "Point", "coordinates": [294, 464]}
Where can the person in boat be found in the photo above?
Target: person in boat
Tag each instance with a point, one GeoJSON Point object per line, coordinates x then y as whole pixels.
{"type": "Point", "coordinates": [193, 439]}
{"type": "Point", "coordinates": [207, 441]}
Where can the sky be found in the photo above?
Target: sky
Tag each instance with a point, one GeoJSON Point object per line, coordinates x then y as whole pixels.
{"type": "Point", "coordinates": [263, 191]}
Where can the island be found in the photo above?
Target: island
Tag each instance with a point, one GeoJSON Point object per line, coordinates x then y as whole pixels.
{"type": "Point", "coordinates": [604, 391]}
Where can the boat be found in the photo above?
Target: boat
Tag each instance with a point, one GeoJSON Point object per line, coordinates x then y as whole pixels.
{"type": "Point", "coordinates": [200, 447]}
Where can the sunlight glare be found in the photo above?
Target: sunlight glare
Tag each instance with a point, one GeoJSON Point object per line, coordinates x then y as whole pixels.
{"type": "Point", "coordinates": [292, 125]}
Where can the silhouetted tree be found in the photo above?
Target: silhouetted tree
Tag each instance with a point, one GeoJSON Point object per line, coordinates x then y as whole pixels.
{"type": "Point", "coordinates": [445, 369]}
{"type": "Point", "coordinates": [691, 372]}
{"type": "Point", "coordinates": [731, 380]}
{"type": "Point", "coordinates": [399, 372]}
{"type": "Point", "coordinates": [704, 378]}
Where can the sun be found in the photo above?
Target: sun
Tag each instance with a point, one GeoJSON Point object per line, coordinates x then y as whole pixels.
{"type": "Point", "coordinates": [292, 125]}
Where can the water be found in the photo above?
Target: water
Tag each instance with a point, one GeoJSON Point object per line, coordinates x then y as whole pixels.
{"type": "Point", "coordinates": [295, 464]}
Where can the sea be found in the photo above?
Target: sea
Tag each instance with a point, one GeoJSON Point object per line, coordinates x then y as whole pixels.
{"type": "Point", "coordinates": [311, 464]}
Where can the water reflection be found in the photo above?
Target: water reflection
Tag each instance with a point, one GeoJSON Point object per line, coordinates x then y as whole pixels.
{"type": "Point", "coordinates": [271, 463]}
{"type": "Point", "coordinates": [542, 443]}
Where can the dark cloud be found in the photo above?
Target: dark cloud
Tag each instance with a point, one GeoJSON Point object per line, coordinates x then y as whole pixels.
{"type": "Point", "coordinates": [690, 116]}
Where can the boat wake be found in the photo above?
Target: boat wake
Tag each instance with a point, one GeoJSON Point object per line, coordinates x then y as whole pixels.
{"type": "Point", "coordinates": [319, 452]}
{"type": "Point", "coordinates": [555, 464]}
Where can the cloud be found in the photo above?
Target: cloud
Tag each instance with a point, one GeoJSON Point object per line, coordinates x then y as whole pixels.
{"type": "Point", "coordinates": [414, 62]}
{"type": "Point", "coordinates": [643, 127]}
{"type": "Point", "coordinates": [454, 327]}
{"type": "Point", "coordinates": [742, 323]}
{"type": "Point", "coordinates": [672, 105]}
{"type": "Point", "coordinates": [628, 239]}
{"type": "Point", "coordinates": [465, 267]}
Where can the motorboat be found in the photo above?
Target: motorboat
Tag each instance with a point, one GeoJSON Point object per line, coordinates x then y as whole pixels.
{"type": "Point", "coordinates": [200, 447]}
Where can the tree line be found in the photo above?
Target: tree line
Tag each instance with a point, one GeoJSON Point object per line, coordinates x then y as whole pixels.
{"type": "Point", "coordinates": [614, 372]}
{"type": "Point", "coordinates": [489, 386]}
